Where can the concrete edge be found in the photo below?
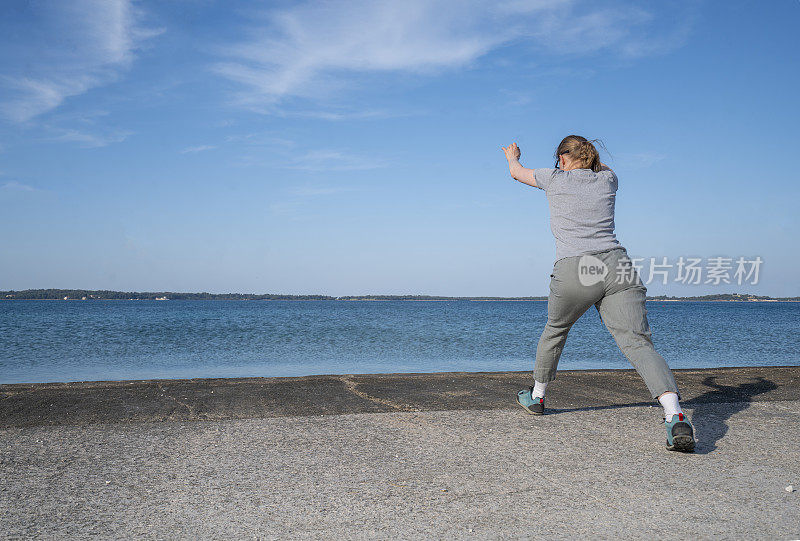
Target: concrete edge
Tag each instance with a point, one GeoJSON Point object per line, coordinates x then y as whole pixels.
{"type": "Point", "coordinates": [83, 403]}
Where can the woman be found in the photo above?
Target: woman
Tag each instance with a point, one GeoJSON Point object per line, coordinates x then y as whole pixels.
{"type": "Point", "coordinates": [592, 268]}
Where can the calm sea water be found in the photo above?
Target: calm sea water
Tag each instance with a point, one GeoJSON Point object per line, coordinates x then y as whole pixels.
{"type": "Point", "coordinates": [47, 341]}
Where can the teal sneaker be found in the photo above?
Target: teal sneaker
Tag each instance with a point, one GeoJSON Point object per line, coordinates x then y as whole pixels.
{"type": "Point", "coordinates": [533, 405]}
{"type": "Point", "coordinates": [680, 435]}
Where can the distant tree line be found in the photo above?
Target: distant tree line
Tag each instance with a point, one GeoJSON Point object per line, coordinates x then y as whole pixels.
{"type": "Point", "coordinates": [149, 295]}
{"type": "Point", "coordinates": [724, 297]}
{"type": "Point", "coordinates": [432, 298]}
{"type": "Point", "coordinates": [140, 295]}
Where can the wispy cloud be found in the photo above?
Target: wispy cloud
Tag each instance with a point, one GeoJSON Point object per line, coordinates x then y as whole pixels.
{"type": "Point", "coordinates": [257, 139]}
{"type": "Point", "coordinates": [312, 191]}
{"type": "Point", "coordinates": [292, 210]}
{"type": "Point", "coordinates": [332, 160]}
{"type": "Point", "coordinates": [71, 48]}
{"type": "Point", "coordinates": [515, 98]}
{"type": "Point", "coordinates": [199, 148]}
{"type": "Point", "coordinates": [299, 204]}
{"type": "Point", "coordinates": [90, 140]}
{"type": "Point", "coordinates": [315, 50]}
{"type": "Point", "coordinates": [15, 186]}
{"type": "Point", "coordinates": [338, 114]}
{"type": "Point", "coordinates": [268, 149]}
{"type": "Point", "coordinates": [299, 51]}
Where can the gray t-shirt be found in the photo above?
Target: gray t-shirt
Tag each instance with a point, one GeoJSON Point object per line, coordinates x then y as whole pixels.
{"type": "Point", "coordinates": [581, 209]}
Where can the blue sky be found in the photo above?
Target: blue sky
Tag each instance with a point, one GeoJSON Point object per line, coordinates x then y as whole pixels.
{"type": "Point", "coordinates": [354, 147]}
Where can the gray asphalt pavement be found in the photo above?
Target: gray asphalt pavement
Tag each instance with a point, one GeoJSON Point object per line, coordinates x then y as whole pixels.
{"type": "Point", "coordinates": [497, 473]}
{"type": "Point", "coordinates": [85, 403]}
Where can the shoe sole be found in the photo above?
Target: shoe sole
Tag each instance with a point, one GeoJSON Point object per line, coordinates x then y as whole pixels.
{"type": "Point", "coordinates": [528, 410]}
{"type": "Point", "coordinates": [682, 444]}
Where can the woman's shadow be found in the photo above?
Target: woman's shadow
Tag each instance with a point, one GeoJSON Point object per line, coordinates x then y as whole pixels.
{"type": "Point", "coordinates": [712, 409]}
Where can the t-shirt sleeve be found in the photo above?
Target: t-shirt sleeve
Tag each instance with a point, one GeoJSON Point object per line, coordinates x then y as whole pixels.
{"type": "Point", "coordinates": [612, 179]}
{"type": "Point", "coordinates": [544, 177]}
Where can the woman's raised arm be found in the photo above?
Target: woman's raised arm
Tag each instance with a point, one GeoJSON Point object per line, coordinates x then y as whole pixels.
{"type": "Point", "coordinates": [522, 174]}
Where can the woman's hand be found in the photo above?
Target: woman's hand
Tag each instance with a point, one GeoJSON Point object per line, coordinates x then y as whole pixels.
{"type": "Point", "coordinates": [518, 172]}
{"type": "Point", "coordinates": [512, 152]}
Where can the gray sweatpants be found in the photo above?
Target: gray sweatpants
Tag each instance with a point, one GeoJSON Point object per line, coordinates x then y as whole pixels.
{"type": "Point", "coordinates": [579, 282]}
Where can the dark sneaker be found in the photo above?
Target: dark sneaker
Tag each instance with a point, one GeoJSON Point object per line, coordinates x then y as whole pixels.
{"type": "Point", "coordinates": [680, 435]}
{"type": "Point", "coordinates": [533, 405]}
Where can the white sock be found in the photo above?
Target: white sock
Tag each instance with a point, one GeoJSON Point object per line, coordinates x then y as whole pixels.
{"type": "Point", "coordinates": [538, 389]}
{"type": "Point", "coordinates": [670, 403]}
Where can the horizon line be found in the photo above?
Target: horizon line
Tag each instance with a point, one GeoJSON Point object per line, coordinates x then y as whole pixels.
{"type": "Point", "coordinates": [103, 294]}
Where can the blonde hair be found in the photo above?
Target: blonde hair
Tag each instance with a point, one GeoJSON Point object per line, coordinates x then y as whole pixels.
{"type": "Point", "coordinates": [581, 150]}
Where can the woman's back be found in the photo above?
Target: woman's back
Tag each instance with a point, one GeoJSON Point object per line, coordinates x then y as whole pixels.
{"type": "Point", "coordinates": [581, 192]}
{"type": "Point", "coordinates": [581, 209]}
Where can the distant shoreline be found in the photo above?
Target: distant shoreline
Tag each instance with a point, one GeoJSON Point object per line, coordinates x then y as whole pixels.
{"type": "Point", "coordinates": [770, 301]}
{"type": "Point", "coordinates": [86, 295]}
